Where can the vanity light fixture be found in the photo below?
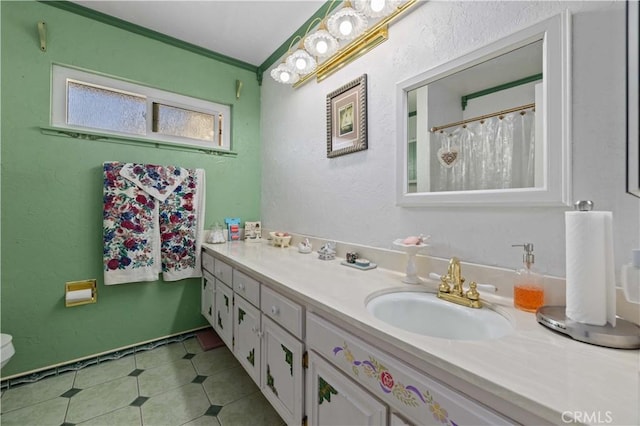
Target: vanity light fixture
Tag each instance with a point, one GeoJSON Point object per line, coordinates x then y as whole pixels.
{"type": "Point", "coordinates": [320, 43]}
{"type": "Point", "coordinates": [284, 74]}
{"type": "Point", "coordinates": [301, 61]}
{"type": "Point", "coordinates": [376, 8]}
{"type": "Point", "coordinates": [340, 37]}
{"type": "Point", "coordinates": [288, 72]}
{"type": "Point", "coordinates": [347, 23]}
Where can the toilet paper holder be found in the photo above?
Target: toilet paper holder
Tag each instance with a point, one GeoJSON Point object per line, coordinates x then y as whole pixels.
{"type": "Point", "coordinates": [80, 292]}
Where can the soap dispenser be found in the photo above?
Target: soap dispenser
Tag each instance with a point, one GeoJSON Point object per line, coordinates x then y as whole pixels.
{"type": "Point", "coordinates": [528, 289]}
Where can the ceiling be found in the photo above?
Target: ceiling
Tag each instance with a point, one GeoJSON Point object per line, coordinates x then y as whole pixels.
{"type": "Point", "coordinates": [247, 30]}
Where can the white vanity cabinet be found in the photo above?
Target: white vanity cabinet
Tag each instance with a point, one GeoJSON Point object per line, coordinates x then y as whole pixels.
{"type": "Point", "coordinates": [396, 420]}
{"type": "Point", "coordinates": [247, 333]}
{"type": "Point", "coordinates": [264, 330]}
{"type": "Point", "coordinates": [207, 288]}
{"type": "Point", "coordinates": [223, 320]}
{"type": "Point", "coordinates": [333, 399]}
{"type": "Point", "coordinates": [282, 354]}
{"type": "Point", "coordinates": [207, 296]}
{"type": "Point", "coordinates": [418, 397]}
{"type": "Point", "coordinates": [223, 301]}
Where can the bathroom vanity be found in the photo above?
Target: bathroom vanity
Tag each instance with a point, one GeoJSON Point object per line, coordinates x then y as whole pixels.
{"type": "Point", "coordinates": [300, 327]}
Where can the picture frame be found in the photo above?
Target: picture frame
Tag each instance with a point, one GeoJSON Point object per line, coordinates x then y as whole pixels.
{"type": "Point", "coordinates": [347, 118]}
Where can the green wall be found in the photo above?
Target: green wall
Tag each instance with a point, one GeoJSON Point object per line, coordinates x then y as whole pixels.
{"type": "Point", "coordinates": [51, 186]}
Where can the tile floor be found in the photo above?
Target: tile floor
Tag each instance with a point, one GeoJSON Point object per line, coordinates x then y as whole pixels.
{"type": "Point", "coordinates": [175, 384]}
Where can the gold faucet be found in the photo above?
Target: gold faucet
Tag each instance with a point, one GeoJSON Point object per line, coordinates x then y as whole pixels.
{"type": "Point", "coordinates": [451, 289]}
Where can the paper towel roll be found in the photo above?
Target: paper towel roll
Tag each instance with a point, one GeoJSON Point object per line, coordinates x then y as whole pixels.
{"type": "Point", "coordinates": [590, 286]}
{"type": "Point", "coordinates": [78, 295]}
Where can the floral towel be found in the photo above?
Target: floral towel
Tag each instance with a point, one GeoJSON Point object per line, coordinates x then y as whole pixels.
{"type": "Point", "coordinates": [181, 228]}
{"type": "Point", "coordinates": [157, 181]}
{"type": "Point", "coordinates": [130, 230]}
{"type": "Point", "coordinates": [143, 235]}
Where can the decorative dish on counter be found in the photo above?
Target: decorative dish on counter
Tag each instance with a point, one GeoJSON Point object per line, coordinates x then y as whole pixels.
{"type": "Point", "coordinates": [412, 241]}
{"type": "Point", "coordinates": [305, 246]}
{"type": "Point", "coordinates": [280, 239]}
{"type": "Point", "coordinates": [412, 245]}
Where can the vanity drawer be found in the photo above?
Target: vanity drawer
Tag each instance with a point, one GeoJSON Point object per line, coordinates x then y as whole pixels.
{"type": "Point", "coordinates": [207, 262]}
{"type": "Point", "coordinates": [282, 310]}
{"type": "Point", "coordinates": [420, 398]}
{"type": "Point", "coordinates": [222, 271]}
{"type": "Point", "coordinates": [246, 287]}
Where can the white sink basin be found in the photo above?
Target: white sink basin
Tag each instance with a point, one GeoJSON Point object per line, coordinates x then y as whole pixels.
{"type": "Point", "coordinates": [423, 313]}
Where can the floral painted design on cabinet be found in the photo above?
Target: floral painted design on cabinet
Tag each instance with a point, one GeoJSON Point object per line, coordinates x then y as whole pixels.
{"type": "Point", "coordinates": [270, 382]}
{"type": "Point", "coordinates": [325, 390]}
{"type": "Point", "coordinates": [407, 394]}
{"type": "Point", "coordinates": [288, 357]}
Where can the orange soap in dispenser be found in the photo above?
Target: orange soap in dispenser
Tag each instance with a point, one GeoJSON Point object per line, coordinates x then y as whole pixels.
{"type": "Point", "coordinates": [528, 290]}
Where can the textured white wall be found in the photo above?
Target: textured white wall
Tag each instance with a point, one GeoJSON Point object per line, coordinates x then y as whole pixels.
{"type": "Point", "coordinates": [352, 198]}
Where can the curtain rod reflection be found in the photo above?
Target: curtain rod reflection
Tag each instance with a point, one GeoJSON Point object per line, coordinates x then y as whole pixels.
{"type": "Point", "coordinates": [483, 117]}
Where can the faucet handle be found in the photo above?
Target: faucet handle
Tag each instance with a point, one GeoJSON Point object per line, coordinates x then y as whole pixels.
{"type": "Point", "coordinates": [472, 293]}
{"type": "Point", "coordinates": [484, 287]}
{"type": "Point", "coordinates": [444, 286]}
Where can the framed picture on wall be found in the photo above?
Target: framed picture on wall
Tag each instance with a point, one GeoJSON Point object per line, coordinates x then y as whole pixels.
{"type": "Point", "coordinates": [347, 118]}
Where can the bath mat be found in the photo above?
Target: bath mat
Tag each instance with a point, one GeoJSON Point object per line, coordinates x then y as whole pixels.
{"type": "Point", "coordinates": [208, 339]}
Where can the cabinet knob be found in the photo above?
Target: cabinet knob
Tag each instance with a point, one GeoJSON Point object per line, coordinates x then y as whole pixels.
{"type": "Point", "coordinates": [275, 310]}
{"type": "Point", "coordinates": [241, 287]}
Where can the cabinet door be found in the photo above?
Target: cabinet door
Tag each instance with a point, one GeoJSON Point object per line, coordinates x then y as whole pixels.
{"type": "Point", "coordinates": [246, 335]}
{"type": "Point", "coordinates": [208, 262]}
{"type": "Point", "coordinates": [418, 397]}
{"type": "Point", "coordinates": [333, 399]}
{"type": "Point", "coordinates": [282, 374]}
{"type": "Point", "coordinates": [207, 293]}
{"type": "Point", "coordinates": [223, 321]}
{"type": "Point", "coordinates": [396, 420]}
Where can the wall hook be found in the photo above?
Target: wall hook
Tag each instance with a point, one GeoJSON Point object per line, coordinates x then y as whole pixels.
{"type": "Point", "coordinates": [42, 31]}
{"type": "Point", "coordinates": [239, 85]}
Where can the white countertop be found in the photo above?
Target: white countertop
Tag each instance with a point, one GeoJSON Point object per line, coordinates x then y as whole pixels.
{"type": "Point", "coordinates": [534, 368]}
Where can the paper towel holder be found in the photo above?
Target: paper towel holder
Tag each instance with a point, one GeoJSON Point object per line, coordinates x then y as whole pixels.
{"type": "Point", "coordinates": [72, 286]}
{"type": "Point", "coordinates": [583, 205]}
{"type": "Point", "coordinates": [625, 335]}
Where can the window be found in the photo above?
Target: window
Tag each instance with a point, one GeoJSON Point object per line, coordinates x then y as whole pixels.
{"type": "Point", "coordinates": [93, 102]}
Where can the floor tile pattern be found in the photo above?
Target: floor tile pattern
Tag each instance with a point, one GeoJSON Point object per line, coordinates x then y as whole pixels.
{"type": "Point", "coordinates": [174, 384]}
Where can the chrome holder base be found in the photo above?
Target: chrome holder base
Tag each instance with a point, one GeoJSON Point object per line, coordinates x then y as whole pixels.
{"type": "Point", "coordinates": [625, 335]}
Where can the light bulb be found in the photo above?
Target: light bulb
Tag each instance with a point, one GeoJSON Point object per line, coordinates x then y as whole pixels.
{"type": "Point", "coordinates": [377, 5]}
{"type": "Point", "coordinates": [322, 47]}
{"type": "Point", "coordinates": [285, 76]}
{"type": "Point", "coordinates": [346, 27]}
{"type": "Point", "coordinates": [301, 64]}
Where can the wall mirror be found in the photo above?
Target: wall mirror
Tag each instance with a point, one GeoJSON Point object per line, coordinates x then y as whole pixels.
{"type": "Point", "coordinates": [492, 126]}
{"type": "Point", "coordinates": [633, 100]}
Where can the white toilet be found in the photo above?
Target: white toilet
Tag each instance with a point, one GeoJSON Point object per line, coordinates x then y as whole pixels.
{"type": "Point", "coordinates": [7, 350]}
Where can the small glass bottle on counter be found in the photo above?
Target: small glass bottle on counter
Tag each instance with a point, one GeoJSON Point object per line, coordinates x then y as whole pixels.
{"type": "Point", "coordinates": [528, 289]}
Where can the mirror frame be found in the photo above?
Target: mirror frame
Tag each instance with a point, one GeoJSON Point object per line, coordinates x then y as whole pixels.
{"type": "Point", "coordinates": [633, 99]}
{"type": "Point", "coordinates": [556, 188]}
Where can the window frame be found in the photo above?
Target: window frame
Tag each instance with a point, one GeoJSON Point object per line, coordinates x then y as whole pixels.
{"type": "Point", "coordinates": [61, 74]}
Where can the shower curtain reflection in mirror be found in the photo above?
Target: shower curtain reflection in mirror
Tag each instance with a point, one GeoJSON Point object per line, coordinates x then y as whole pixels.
{"type": "Point", "coordinates": [494, 153]}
